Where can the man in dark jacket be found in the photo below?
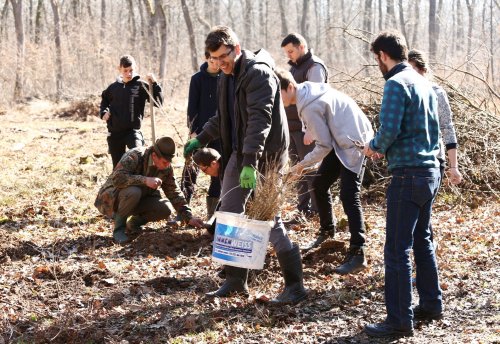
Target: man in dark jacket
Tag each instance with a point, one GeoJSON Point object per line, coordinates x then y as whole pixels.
{"type": "Point", "coordinates": [132, 190]}
{"type": "Point", "coordinates": [252, 128]}
{"type": "Point", "coordinates": [202, 105]}
{"type": "Point", "coordinates": [304, 66]}
{"type": "Point", "coordinates": [122, 108]}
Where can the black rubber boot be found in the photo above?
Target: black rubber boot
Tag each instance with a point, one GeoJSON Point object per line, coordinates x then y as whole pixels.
{"type": "Point", "coordinates": [291, 267]}
{"type": "Point", "coordinates": [235, 283]}
{"type": "Point", "coordinates": [323, 235]}
{"type": "Point", "coordinates": [212, 203]}
{"type": "Point", "coordinates": [354, 261]}
{"type": "Point", "coordinates": [135, 223]}
{"type": "Point", "coordinates": [119, 234]}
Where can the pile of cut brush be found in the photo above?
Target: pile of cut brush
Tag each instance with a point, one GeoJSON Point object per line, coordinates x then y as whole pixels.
{"type": "Point", "coordinates": [476, 117]}
{"type": "Point", "coordinates": [81, 110]}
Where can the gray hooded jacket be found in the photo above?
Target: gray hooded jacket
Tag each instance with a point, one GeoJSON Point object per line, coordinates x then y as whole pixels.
{"type": "Point", "coordinates": [333, 119]}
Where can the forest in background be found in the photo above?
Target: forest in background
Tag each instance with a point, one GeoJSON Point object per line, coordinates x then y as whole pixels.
{"type": "Point", "coordinates": [70, 48]}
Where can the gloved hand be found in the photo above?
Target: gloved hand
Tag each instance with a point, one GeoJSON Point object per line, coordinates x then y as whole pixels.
{"type": "Point", "coordinates": [248, 177]}
{"type": "Point", "coordinates": [190, 146]}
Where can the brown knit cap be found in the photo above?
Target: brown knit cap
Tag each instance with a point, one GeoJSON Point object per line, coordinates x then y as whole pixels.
{"type": "Point", "coordinates": [164, 147]}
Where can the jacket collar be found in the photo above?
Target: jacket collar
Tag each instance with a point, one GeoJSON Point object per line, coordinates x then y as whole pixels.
{"type": "Point", "coordinates": [396, 69]}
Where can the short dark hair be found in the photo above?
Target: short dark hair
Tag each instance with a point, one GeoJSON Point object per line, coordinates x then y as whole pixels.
{"type": "Point", "coordinates": [126, 61]}
{"type": "Point", "coordinates": [205, 156]}
{"type": "Point", "coordinates": [220, 35]}
{"type": "Point", "coordinates": [419, 58]}
{"type": "Point", "coordinates": [286, 78]}
{"type": "Point", "coordinates": [393, 43]}
{"type": "Point", "coordinates": [294, 38]}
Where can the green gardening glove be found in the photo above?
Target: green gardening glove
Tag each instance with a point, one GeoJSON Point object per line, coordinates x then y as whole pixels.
{"type": "Point", "coordinates": [190, 146]}
{"type": "Point", "coordinates": [248, 177]}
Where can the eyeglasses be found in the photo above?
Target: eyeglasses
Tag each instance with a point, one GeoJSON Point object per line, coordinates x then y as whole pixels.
{"type": "Point", "coordinates": [221, 57]}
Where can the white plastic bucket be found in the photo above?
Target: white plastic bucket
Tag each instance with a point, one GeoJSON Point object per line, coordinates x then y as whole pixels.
{"type": "Point", "coordinates": [240, 241]}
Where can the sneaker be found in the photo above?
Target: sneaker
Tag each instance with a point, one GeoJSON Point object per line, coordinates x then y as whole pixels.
{"type": "Point", "coordinates": [419, 313]}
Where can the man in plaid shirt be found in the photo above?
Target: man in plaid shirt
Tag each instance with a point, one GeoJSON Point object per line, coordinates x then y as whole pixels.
{"type": "Point", "coordinates": [408, 138]}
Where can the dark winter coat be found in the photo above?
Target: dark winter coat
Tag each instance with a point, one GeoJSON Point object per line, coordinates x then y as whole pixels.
{"type": "Point", "coordinates": [202, 103]}
{"type": "Point", "coordinates": [260, 120]}
{"type": "Point", "coordinates": [126, 102]}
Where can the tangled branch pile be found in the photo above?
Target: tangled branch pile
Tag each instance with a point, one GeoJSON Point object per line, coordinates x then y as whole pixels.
{"type": "Point", "coordinates": [81, 109]}
{"type": "Point", "coordinates": [475, 108]}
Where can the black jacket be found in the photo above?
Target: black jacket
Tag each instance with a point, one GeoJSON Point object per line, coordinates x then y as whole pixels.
{"type": "Point", "coordinates": [125, 102]}
{"type": "Point", "coordinates": [202, 103]}
{"type": "Point", "coordinates": [261, 126]}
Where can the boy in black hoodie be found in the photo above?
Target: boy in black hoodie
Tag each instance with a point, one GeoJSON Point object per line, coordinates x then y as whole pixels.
{"type": "Point", "coordinates": [122, 107]}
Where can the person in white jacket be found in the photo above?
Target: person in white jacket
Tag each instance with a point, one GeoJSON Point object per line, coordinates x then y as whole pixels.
{"type": "Point", "coordinates": [340, 129]}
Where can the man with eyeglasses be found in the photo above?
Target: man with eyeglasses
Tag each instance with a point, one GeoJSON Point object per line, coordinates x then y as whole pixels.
{"type": "Point", "coordinates": [252, 127]}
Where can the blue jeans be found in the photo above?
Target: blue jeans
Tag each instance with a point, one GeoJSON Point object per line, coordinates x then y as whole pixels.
{"type": "Point", "coordinates": [409, 205]}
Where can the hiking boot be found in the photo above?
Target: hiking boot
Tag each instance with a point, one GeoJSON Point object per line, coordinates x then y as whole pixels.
{"type": "Point", "coordinates": [235, 283]}
{"type": "Point", "coordinates": [119, 234]}
{"type": "Point", "coordinates": [323, 235]}
{"type": "Point", "coordinates": [383, 329]}
{"type": "Point", "coordinates": [419, 313]}
{"type": "Point", "coordinates": [291, 268]}
{"type": "Point", "coordinates": [354, 262]}
{"type": "Point", "coordinates": [135, 223]}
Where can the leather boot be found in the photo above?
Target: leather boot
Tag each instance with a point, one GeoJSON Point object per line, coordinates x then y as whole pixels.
{"type": "Point", "coordinates": [323, 235]}
{"type": "Point", "coordinates": [135, 223]}
{"type": "Point", "coordinates": [235, 283]}
{"type": "Point", "coordinates": [354, 261]}
{"type": "Point", "coordinates": [212, 203]}
{"type": "Point", "coordinates": [291, 267]}
{"type": "Point", "coordinates": [119, 234]}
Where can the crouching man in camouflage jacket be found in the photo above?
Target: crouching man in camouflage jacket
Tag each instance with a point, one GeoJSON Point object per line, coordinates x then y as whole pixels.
{"type": "Point", "coordinates": [132, 190]}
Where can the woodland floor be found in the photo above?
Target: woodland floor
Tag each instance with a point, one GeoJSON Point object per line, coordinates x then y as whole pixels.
{"type": "Point", "coordinates": [63, 280]}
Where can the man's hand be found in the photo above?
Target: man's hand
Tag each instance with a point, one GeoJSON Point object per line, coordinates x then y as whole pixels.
{"type": "Point", "coordinates": [295, 172]}
{"type": "Point", "coordinates": [370, 153]}
{"type": "Point", "coordinates": [248, 178]}
{"type": "Point", "coordinates": [196, 222]}
{"type": "Point", "coordinates": [153, 182]}
{"type": "Point", "coordinates": [151, 77]}
{"type": "Point", "coordinates": [106, 116]}
{"type": "Point", "coordinates": [190, 146]}
{"type": "Point", "coordinates": [454, 175]}
{"type": "Point", "coordinates": [308, 139]}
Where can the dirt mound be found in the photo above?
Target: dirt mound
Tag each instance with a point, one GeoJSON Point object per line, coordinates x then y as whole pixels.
{"type": "Point", "coordinates": [171, 243]}
{"type": "Point", "coordinates": [81, 110]}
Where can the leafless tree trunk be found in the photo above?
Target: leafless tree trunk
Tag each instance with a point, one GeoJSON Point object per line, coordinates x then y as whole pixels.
{"type": "Point", "coordinates": [57, 41]}
{"type": "Point", "coordinates": [284, 26]}
{"type": "Point", "coordinates": [402, 23]}
{"type": "Point", "coordinates": [38, 21]}
{"type": "Point", "coordinates": [380, 16]}
{"type": "Point", "coordinates": [304, 27]}
{"type": "Point", "coordinates": [460, 27]}
{"type": "Point", "coordinates": [132, 22]}
{"type": "Point", "coordinates": [192, 40]}
{"type": "Point", "coordinates": [162, 20]}
{"type": "Point", "coordinates": [492, 47]}
{"type": "Point", "coordinates": [471, 4]}
{"type": "Point", "coordinates": [103, 21]}
{"type": "Point", "coordinates": [248, 23]}
{"type": "Point", "coordinates": [415, 25]}
{"type": "Point", "coordinates": [17, 7]}
{"type": "Point", "coordinates": [433, 30]}
{"type": "Point", "coordinates": [367, 24]}
{"type": "Point", "coordinates": [391, 17]}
